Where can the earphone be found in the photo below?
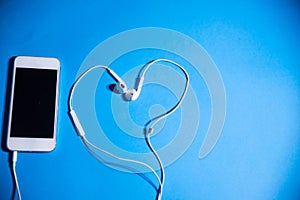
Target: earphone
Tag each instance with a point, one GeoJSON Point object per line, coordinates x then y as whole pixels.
{"type": "Point", "coordinates": [121, 87]}
{"type": "Point", "coordinates": [129, 95]}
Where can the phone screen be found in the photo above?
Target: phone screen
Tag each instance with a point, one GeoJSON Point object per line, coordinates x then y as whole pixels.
{"type": "Point", "coordinates": [33, 110]}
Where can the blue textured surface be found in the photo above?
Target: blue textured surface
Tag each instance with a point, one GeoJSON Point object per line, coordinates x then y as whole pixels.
{"type": "Point", "coordinates": [255, 45]}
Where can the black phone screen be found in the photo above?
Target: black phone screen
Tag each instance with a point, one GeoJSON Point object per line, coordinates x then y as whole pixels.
{"type": "Point", "coordinates": [34, 102]}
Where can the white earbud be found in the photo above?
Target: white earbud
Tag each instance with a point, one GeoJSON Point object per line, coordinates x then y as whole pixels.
{"type": "Point", "coordinates": [133, 94]}
{"type": "Point", "coordinates": [121, 87]}
{"type": "Point", "coordinates": [129, 95]}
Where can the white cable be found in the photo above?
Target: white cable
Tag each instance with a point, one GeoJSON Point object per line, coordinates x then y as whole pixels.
{"type": "Point", "coordinates": [162, 180]}
{"type": "Point", "coordinates": [155, 120]}
{"type": "Point", "coordinates": [79, 79]}
{"type": "Point", "coordinates": [120, 158]}
{"type": "Point", "coordinates": [142, 74]}
{"type": "Point", "coordinates": [14, 163]}
{"type": "Point", "coordinates": [85, 140]}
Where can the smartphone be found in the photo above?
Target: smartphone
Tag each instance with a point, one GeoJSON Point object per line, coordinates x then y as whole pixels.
{"type": "Point", "coordinates": [33, 105]}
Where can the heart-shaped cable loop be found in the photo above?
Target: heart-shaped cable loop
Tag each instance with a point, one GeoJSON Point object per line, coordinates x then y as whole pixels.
{"type": "Point", "coordinates": [128, 95]}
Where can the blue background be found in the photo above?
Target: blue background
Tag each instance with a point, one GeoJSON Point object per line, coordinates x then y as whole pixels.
{"type": "Point", "coordinates": [255, 45]}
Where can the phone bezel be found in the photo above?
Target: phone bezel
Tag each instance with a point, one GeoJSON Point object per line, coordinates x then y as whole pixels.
{"type": "Point", "coordinates": [33, 144]}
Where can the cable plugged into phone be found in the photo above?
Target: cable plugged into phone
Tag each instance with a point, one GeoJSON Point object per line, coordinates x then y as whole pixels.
{"type": "Point", "coordinates": [14, 164]}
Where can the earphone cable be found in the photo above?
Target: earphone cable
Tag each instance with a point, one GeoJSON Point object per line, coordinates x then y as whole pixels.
{"type": "Point", "coordinates": [86, 141]}
{"type": "Point", "coordinates": [14, 163]}
{"type": "Point", "coordinates": [79, 79]}
{"type": "Point", "coordinates": [174, 108]}
{"type": "Point", "coordinates": [155, 120]}
{"type": "Point", "coordinates": [162, 171]}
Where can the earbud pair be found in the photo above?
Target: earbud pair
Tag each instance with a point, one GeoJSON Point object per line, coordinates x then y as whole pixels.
{"type": "Point", "coordinates": [121, 87]}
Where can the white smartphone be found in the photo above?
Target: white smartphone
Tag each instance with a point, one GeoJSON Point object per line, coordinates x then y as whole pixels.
{"type": "Point", "coordinates": [33, 108]}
